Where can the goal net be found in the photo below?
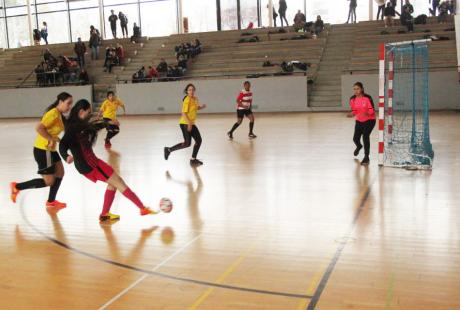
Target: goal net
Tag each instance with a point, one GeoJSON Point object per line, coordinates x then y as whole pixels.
{"type": "Point", "coordinates": [404, 127]}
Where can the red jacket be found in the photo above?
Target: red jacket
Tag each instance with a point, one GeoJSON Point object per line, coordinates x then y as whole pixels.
{"type": "Point", "coordinates": [362, 108]}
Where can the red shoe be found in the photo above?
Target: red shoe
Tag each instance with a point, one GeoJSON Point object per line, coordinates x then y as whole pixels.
{"type": "Point", "coordinates": [14, 191]}
{"type": "Point", "coordinates": [56, 204]}
{"type": "Point", "coordinates": [107, 145]}
{"type": "Point", "coordinates": [147, 211]}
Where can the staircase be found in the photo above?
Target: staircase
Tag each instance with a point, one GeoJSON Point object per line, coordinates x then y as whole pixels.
{"type": "Point", "coordinates": [327, 88]}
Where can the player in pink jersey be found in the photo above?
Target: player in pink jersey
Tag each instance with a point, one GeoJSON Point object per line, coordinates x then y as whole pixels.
{"type": "Point", "coordinates": [243, 108]}
{"type": "Point", "coordinates": [362, 108]}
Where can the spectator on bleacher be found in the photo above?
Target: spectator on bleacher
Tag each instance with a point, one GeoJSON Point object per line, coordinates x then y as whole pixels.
{"type": "Point", "coordinates": [162, 67]}
{"type": "Point", "coordinates": [113, 23]}
{"type": "Point", "coordinates": [451, 7]}
{"type": "Point", "coordinates": [275, 15]}
{"type": "Point", "coordinates": [152, 74]}
{"type": "Point", "coordinates": [196, 48]}
{"type": "Point", "coordinates": [352, 11]}
{"type": "Point", "coordinates": [80, 50]}
{"type": "Point", "coordinates": [141, 75]}
{"type": "Point", "coordinates": [282, 11]}
{"type": "Point", "coordinates": [443, 12]}
{"type": "Point", "coordinates": [44, 32]}
{"type": "Point", "coordinates": [136, 33]}
{"type": "Point", "coordinates": [94, 42]}
{"type": "Point", "coordinates": [408, 5]}
{"type": "Point", "coordinates": [49, 59]}
{"type": "Point", "coordinates": [434, 6]}
{"type": "Point", "coordinates": [299, 21]}
{"type": "Point", "coordinates": [389, 14]}
{"type": "Point", "coordinates": [123, 23]}
{"type": "Point", "coordinates": [381, 4]}
{"type": "Point", "coordinates": [40, 74]}
{"type": "Point", "coordinates": [407, 19]}
{"type": "Point", "coordinates": [111, 59]}
{"type": "Point", "coordinates": [83, 77]}
{"type": "Point", "coordinates": [250, 26]}
{"type": "Point", "coordinates": [37, 37]}
{"type": "Point", "coordinates": [319, 25]}
{"type": "Point", "coordinates": [120, 51]}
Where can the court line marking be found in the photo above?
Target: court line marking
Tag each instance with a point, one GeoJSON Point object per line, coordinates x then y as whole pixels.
{"type": "Point", "coordinates": [155, 273]}
{"type": "Point", "coordinates": [313, 284]}
{"type": "Point", "coordinates": [330, 268]}
{"type": "Point", "coordinates": [219, 280]}
{"type": "Point", "coordinates": [135, 283]}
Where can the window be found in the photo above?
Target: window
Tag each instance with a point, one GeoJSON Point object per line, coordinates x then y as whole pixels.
{"type": "Point", "coordinates": [3, 42]}
{"type": "Point", "coordinates": [248, 9]}
{"type": "Point", "coordinates": [83, 4]}
{"type": "Point", "coordinates": [201, 15]}
{"type": "Point", "coordinates": [18, 32]}
{"type": "Point", "coordinates": [229, 14]}
{"type": "Point", "coordinates": [158, 18]}
{"type": "Point", "coordinates": [131, 12]}
{"type": "Point", "coordinates": [10, 3]}
{"type": "Point", "coordinates": [58, 26]}
{"type": "Point", "coordinates": [81, 20]}
{"type": "Point", "coordinates": [51, 7]}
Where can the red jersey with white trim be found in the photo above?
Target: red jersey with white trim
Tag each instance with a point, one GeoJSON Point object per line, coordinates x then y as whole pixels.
{"type": "Point", "coordinates": [244, 100]}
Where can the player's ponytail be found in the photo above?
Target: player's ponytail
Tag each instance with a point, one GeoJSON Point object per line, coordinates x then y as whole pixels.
{"type": "Point", "coordinates": [61, 97]}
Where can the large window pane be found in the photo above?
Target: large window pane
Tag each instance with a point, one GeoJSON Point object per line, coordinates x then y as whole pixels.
{"type": "Point", "coordinates": [201, 15]}
{"type": "Point", "coordinates": [83, 4]}
{"type": "Point", "coordinates": [58, 26]}
{"type": "Point", "coordinates": [18, 32]}
{"type": "Point", "coordinates": [334, 13]}
{"type": "Point", "coordinates": [248, 13]}
{"type": "Point", "coordinates": [81, 20]}
{"type": "Point", "coordinates": [49, 7]}
{"type": "Point", "coordinates": [229, 14]}
{"type": "Point", "coordinates": [158, 18]}
{"type": "Point", "coordinates": [9, 3]}
{"type": "Point", "coordinates": [3, 43]}
{"type": "Point", "coordinates": [130, 10]}
{"type": "Point", "coordinates": [292, 7]}
{"type": "Point", "coordinates": [16, 11]}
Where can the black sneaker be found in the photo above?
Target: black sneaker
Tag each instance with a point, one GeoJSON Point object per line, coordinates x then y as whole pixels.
{"type": "Point", "coordinates": [167, 152]}
{"type": "Point", "coordinates": [365, 161]}
{"type": "Point", "coordinates": [195, 162]}
{"type": "Point", "coordinates": [356, 152]}
{"type": "Point", "coordinates": [230, 135]}
{"type": "Point", "coordinates": [252, 136]}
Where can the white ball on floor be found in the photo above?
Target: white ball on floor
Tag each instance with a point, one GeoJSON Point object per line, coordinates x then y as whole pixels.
{"type": "Point", "coordinates": [166, 205]}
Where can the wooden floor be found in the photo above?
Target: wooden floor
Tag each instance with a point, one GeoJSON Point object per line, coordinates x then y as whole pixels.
{"type": "Point", "coordinates": [287, 221]}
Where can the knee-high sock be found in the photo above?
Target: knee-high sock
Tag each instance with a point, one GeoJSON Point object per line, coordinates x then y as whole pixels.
{"type": "Point", "coordinates": [108, 200]}
{"type": "Point", "coordinates": [35, 183]}
{"type": "Point", "coordinates": [236, 125]}
{"type": "Point", "coordinates": [54, 189]}
{"type": "Point", "coordinates": [251, 127]}
{"type": "Point", "coordinates": [128, 193]}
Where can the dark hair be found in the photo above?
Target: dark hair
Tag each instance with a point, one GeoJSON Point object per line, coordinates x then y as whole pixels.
{"type": "Point", "coordinates": [360, 85]}
{"type": "Point", "coordinates": [188, 85]}
{"type": "Point", "coordinates": [110, 93]}
{"type": "Point", "coordinates": [75, 124]}
{"type": "Point", "coordinates": [247, 82]}
{"type": "Point", "coordinates": [61, 97]}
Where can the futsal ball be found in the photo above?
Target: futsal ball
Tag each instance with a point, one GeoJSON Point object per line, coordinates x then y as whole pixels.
{"type": "Point", "coordinates": [166, 205]}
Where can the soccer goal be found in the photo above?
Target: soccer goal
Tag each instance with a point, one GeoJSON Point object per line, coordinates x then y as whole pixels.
{"type": "Point", "coordinates": [404, 127]}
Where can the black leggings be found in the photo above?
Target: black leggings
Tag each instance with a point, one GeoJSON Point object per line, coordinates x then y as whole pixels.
{"type": "Point", "coordinates": [112, 130]}
{"type": "Point", "coordinates": [363, 129]}
{"type": "Point", "coordinates": [124, 28]}
{"type": "Point", "coordinates": [195, 134]}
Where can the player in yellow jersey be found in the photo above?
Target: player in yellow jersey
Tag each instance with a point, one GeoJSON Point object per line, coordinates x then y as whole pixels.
{"type": "Point", "coordinates": [49, 163]}
{"type": "Point", "coordinates": [190, 107]}
{"type": "Point", "coordinates": [109, 113]}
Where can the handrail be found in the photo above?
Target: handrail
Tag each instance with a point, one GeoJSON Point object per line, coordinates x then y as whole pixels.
{"type": "Point", "coordinates": [166, 79]}
{"type": "Point", "coordinates": [351, 72]}
{"type": "Point", "coordinates": [25, 79]}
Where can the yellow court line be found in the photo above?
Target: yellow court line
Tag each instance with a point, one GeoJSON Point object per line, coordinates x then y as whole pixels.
{"type": "Point", "coordinates": [220, 280]}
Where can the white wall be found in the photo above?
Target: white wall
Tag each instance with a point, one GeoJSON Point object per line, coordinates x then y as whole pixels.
{"type": "Point", "coordinates": [271, 94]}
{"type": "Point", "coordinates": [444, 89]}
{"type": "Point", "coordinates": [32, 102]}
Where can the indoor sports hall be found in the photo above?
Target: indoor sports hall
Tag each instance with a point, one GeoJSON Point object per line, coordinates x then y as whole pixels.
{"type": "Point", "coordinates": [229, 154]}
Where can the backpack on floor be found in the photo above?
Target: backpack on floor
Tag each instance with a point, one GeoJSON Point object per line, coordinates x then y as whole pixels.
{"type": "Point", "coordinates": [421, 19]}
